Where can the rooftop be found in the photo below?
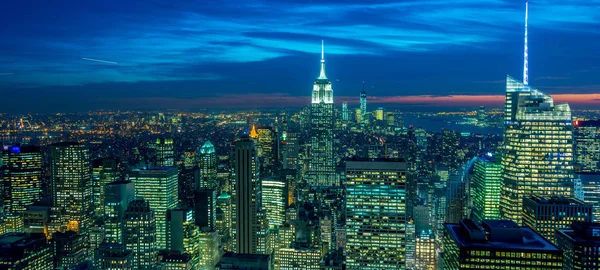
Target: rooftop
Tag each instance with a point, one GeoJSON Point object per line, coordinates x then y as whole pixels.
{"type": "Point", "coordinates": [556, 200]}
{"type": "Point", "coordinates": [499, 235]}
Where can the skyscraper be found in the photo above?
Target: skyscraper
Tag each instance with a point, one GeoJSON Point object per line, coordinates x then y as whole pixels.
{"type": "Point", "coordinates": [21, 251]}
{"type": "Point", "coordinates": [538, 139]}
{"type": "Point", "coordinates": [345, 116]}
{"type": "Point", "coordinates": [247, 196]}
{"type": "Point", "coordinates": [113, 256]}
{"type": "Point", "coordinates": [208, 165]}
{"type": "Point", "coordinates": [22, 180]}
{"type": "Point", "coordinates": [104, 171]}
{"type": "Point", "coordinates": [587, 146]}
{"type": "Point", "coordinates": [183, 235]}
{"type": "Point", "coordinates": [140, 234]}
{"type": "Point", "coordinates": [322, 161]}
{"type": "Point", "coordinates": [363, 104]}
{"type": "Point", "coordinates": [376, 235]}
{"type": "Point", "coordinates": [117, 196]}
{"type": "Point", "coordinates": [71, 180]}
{"type": "Point", "coordinates": [165, 152]}
{"type": "Point", "coordinates": [274, 200]}
{"type": "Point", "coordinates": [379, 114]}
{"type": "Point", "coordinates": [158, 186]}
{"type": "Point", "coordinates": [485, 188]}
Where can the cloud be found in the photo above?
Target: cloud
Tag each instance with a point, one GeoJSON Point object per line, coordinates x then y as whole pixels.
{"type": "Point", "coordinates": [183, 33]}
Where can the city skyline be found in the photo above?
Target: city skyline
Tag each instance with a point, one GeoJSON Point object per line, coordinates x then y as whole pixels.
{"type": "Point", "coordinates": [96, 57]}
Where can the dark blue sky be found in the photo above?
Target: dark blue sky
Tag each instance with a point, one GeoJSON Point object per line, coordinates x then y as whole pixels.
{"type": "Point", "coordinates": [231, 53]}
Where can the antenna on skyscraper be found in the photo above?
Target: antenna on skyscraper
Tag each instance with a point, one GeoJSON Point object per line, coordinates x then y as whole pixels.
{"type": "Point", "coordinates": [322, 51]}
{"type": "Point", "coordinates": [526, 55]}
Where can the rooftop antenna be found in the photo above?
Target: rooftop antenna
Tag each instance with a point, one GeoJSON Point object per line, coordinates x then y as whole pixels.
{"type": "Point", "coordinates": [526, 55]}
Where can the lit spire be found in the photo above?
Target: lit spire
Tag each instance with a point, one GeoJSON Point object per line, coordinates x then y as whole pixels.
{"type": "Point", "coordinates": [253, 133]}
{"type": "Point", "coordinates": [526, 55]}
{"type": "Point", "coordinates": [322, 75]}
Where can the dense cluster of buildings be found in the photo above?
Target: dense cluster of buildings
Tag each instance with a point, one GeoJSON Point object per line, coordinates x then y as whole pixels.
{"type": "Point", "coordinates": [318, 189]}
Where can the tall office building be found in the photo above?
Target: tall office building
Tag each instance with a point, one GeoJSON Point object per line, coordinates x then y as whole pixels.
{"type": "Point", "coordinates": [247, 196]}
{"type": "Point", "coordinates": [497, 244]}
{"type": "Point", "coordinates": [425, 251]}
{"type": "Point", "coordinates": [69, 249]}
{"type": "Point", "coordinates": [580, 244]}
{"type": "Point", "coordinates": [538, 140]}
{"type": "Point", "coordinates": [104, 171]}
{"type": "Point", "coordinates": [587, 146]}
{"type": "Point", "coordinates": [267, 144]}
{"type": "Point", "coordinates": [71, 181]}
{"type": "Point", "coordinates": [21, 251]}
{"type": "Point", "coordinates": [546, 215]}
{"type": "Point", "coordinates": [205, 209]}
{"type": "Point", "coordinates": [485, 188]}
{"type": "Point", "coordinates": [158, 186]}
{"type": "Point", "coordinates": [117, 196]}
{"type": "Point", "coordinates": [165, 152]}
{"type": "Point", "coordinates": [183, 235]}
{"type": "Point", "coordinates": [235, 261]}
{"type": "Point", "coordinates": [363, 105]}
{"type": "Point", "coordinates": [369, 185]}
{"type": "Point", "coordinates": [208, 165]}
{"type": "Point", "coordinates": [450, 145]}
{"type": "Point", "coordinates": [224, 222]}
{"type": "Point", "coordinates": [22, 179]}
{"type": "Point", "coordinates": [322, 160]}
{"type": "Point", "coordinates": [345, 115]}
{"type": "Point", "coordinates": [591, 192]}
{"type": "Point", "coordinates": [379, 114]}
{"type": "Point", "coordinates": [289, 149]}
{"type": "Point", "coordinates": [358, 115]}
{"type": "Point", "coordinates": [175, 260]}
{"type": "Point", "coordinates": [210, 249]}
{"type": "Point", "coordinates": [274, 200]}
{"type": "Point", "coordinates": [140, 234]}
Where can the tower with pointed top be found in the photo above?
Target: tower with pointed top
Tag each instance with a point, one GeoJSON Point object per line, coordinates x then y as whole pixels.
{"type": "Point", "coordinates": [363, 104]}
{"type": "Point", "coordinates": [538, 141]}
{"type": "Point", "coordinates": [322, 162]}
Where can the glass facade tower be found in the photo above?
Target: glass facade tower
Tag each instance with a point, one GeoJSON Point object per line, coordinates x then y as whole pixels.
{"type": "Point", "coordinates": [538, 154]}
{"type": "Point", "coordinates": [375, 214]}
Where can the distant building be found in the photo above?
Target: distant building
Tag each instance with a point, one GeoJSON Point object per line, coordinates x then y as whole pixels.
{"type": "Point", "coordinates": [158, 186]}
{"type": "Point", "coordinates": [363, 105]}
{"type": "Point", "coordinates": [208, 166]}
{"type": "Point", "coordinates": [379, 114]}
{"type": "Point", "coordinates": [586, 136]}
{"type": "Point", "coordinates": [345, 116]}
{"type": "Point", "coordinates": [580, 245]}
{"type": "Point", "coordinates": [547, 214]}
{"type": "Point", "coordinates": [237, 261]}
{"type": "Point", "coordinates": [165, 152]}
{"type": "Point", "coordinates": [368, 183]}
{"type": "Point", "coordinates": [497, 244]}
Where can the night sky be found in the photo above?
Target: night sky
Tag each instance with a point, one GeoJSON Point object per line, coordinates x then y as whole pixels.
{"type": "Point", "coordinates": [67, 55]}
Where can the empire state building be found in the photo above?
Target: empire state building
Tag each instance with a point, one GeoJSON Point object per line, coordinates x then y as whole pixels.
{"type": "Point", "coordinates": [322, 161]}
